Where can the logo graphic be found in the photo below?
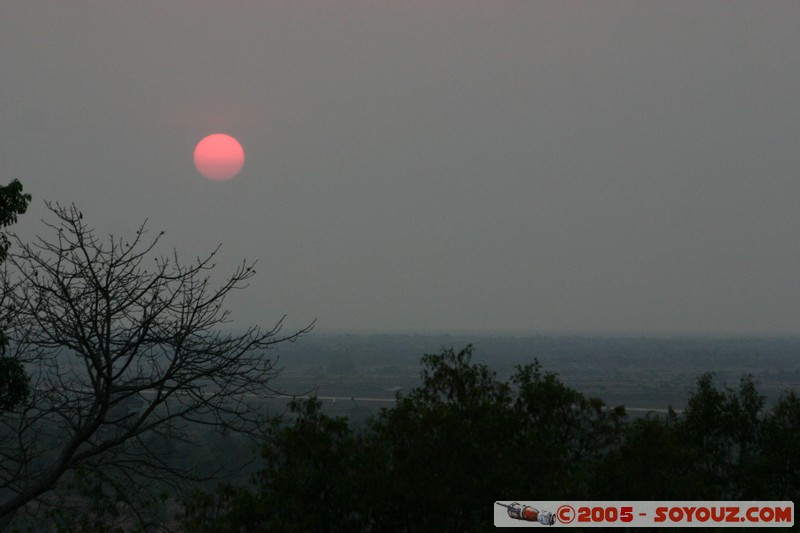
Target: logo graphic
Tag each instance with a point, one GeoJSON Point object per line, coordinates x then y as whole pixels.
{"type": "Point", "coordinates": [529, 514]}
{"type": "Point", "coordinates": [565, 514]}
{"type": "Point", "coordinates": [645, 514]}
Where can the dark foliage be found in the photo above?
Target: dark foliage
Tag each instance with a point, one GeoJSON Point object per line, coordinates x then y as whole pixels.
{"type": "Point", "coordinates": [14, 382]}
{"type": "Point", "coordinates": [462, 439]}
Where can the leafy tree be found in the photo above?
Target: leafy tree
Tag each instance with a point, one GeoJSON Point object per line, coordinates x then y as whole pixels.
{"type": "Point", "coordinates": [12, 204]}
{"type": "Point", "coordinates": [723, 431]}
{"type": "Point", "coordinates": [446, 445]}
{"type": "Point", "coordinates": [568, 432]}
{"type": "Point", "coordinates": [723, 447]}
{"type": "Point", "coordinates": [775, 470]}
{"type": "Point", "coordinates": [13, 380]}
{"type": "Point", "coordinates": [307, 483]}
{"type": "Point", "coordinates": [652, 463]}
{"type": "Point", "coordinates": [430, 463]}
{"type": "Point", "coordinates": [120, 350]}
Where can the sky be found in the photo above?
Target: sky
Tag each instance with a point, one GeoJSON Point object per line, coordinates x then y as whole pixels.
{"type": "Point", "coordinates": [526, 167]}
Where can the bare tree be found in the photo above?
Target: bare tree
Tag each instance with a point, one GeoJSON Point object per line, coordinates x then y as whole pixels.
{"type": "Point", "coordinates": [119, 350]}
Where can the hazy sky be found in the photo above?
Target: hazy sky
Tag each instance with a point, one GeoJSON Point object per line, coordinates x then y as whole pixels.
{"type": "Point", "coordinates": [449, 166]}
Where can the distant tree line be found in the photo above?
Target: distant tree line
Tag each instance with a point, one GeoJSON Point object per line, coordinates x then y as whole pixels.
{"type": "Point", "coordinates": [439, 458]}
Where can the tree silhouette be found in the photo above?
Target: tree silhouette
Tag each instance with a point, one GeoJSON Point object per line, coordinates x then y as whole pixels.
{"type": "Point", "coordinates": [433, 460]}
{"type": "Point", "coordinates": [429, 463]}
{"type": "Point", "coordinates": [13, 380]}
{"type": "Point", "coordinates": [121, 348]}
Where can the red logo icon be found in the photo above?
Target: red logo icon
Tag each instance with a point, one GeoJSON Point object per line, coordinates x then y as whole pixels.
{"type": "Point", "coordinates": [565, 514]}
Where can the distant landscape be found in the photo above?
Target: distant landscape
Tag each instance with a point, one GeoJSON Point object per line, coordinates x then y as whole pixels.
{"type": "Point", "coordinates": [388, 430]}
{"type": "Point", "coordinates": [358, 379]}
{"type": "Point", "coordinates": [637, 372]}
{"type": "Point", "coordinates": [372, 266]}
